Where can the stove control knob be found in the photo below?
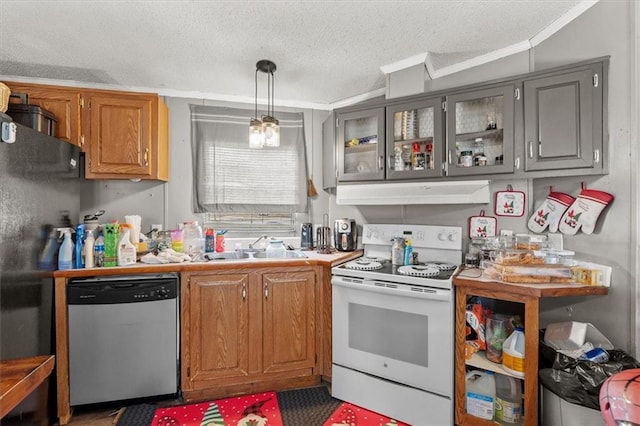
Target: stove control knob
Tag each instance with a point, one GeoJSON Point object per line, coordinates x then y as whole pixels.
{"type": "Point", "coordinates": [451, 237]}
{"type": "Point", "coordinates": [442, 236]}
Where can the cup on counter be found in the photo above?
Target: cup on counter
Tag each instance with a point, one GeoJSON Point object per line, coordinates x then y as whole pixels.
{"type": "Point", "coordinates": [219, 243]}
{"type": "Point", "coordinates": [177, 243]}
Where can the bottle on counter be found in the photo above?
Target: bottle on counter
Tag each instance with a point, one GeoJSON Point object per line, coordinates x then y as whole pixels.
{"type": "Point", "coordinates": [210, 241]}
{"type": "Point", "coordinates": [397, 251]}
{"type": "Point", "coordinates": [89, 243]}
{"type": "Point", "coordinates": [126, 250]}
{"type": "Point", "coordinates": [408, 252]}
{"type": "Point", "coordinates": [98, 251]}
{"type": "Point", "coordinates": [78, 255]}
{"type": "Point", "coordinates": [65, 254]}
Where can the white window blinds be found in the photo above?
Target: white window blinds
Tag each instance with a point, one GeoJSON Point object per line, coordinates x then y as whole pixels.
{"type": "Point", "coordinates": [229, 177]}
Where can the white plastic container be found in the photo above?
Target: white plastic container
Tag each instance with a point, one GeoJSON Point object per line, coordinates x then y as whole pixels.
{"type": "Point", "coordinates": [126, 250]}
{"type": "Point", "coordinates": [276, 250]}
{"type": "Point", "coordinates": [65, 254]}
{"type": "Point", "coordinates": [480, 389]}
{"type": "Point", "coordinates": [513, 353]}
{"type": "Point", "coordinates": [508, 406]}
{"type": "Point", "coordinates": [89, 242]}
{"type": "Point", "coordinates": [192, 239]}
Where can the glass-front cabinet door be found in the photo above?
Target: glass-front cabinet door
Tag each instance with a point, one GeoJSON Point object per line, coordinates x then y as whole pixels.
{"type": "Point", "coordinates": [360, 144]}
{"type": "Point", "coordinates": [415, 139]}
{"type": "Point", "coordinates": [480, 131]}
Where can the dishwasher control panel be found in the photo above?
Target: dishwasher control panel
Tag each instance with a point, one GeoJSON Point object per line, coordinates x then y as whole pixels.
{"type": "Point", "coordinates": [122, 289]}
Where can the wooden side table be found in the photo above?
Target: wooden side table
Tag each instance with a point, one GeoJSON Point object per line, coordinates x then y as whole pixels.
{"type": "Point", "coordinates": [527, 294]}
{"type": "Point", "coordinates": [19, 377]}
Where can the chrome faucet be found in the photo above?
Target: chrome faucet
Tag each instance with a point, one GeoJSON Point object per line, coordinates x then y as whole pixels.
{"type": "Point", "coordinates": [261, 237]}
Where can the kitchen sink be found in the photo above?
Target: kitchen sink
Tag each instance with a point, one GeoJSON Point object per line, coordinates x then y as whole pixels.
{"type": "Point", "coordinates": [251, 254]}
{"type": "Point", "coordinates": [289, 254]}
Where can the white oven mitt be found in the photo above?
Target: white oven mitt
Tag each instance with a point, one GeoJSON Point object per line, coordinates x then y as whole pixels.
{"type": "Point", "coordinates": [584, 212]}
{"type": "Point", "coordinates": [550, 212]}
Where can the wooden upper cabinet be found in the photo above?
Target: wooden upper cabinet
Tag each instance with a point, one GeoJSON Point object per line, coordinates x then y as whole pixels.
{"type": "Point", "coordinates": [128, 136]}
{"type": "Point", "coordinates": [63, 102]}
{"type": "Point", "coordinates": [124, 135]}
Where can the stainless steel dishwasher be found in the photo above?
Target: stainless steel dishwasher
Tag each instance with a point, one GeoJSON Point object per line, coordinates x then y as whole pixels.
{"type": "Point", "coordinates": [123, 337]}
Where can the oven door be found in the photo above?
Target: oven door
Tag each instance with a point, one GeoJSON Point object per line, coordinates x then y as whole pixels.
{"type": "Point", "coordinates": [398, 332]}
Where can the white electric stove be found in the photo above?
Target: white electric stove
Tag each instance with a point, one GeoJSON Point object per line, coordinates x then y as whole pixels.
{"type": "Point", "coordinates": [393, 325]}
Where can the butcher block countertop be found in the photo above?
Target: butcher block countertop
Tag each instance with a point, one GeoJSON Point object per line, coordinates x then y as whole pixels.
{"type": "Point", "coordinates": [313, 259]}
{"type": "Point", "coordinates": [21, 376]}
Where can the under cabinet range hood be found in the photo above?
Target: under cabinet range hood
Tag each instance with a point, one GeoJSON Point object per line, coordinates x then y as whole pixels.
{"type": "Point", "coordinates": [378, 194]}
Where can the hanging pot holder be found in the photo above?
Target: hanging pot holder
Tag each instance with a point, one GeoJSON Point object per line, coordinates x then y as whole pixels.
{"type": "Point", "coordinates": [509, 203]}
{"type": "Point", "coordinates": [482, 226]}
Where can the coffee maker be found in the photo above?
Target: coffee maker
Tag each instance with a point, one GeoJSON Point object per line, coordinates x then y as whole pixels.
{"type": "Point", "coordinates": [345, 234]}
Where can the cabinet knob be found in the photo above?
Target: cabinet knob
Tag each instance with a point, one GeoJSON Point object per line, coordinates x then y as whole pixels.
{"type": "Point", "coordinates": [146, 156]}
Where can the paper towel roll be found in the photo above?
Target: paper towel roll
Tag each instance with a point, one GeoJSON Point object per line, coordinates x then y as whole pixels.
{"type": "Point", "coordinates": [135, 221]}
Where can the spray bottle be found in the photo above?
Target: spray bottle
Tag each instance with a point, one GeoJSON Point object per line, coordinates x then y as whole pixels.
{"type": "Point", "coordinates": [65, 254]}
{"type": "Point", "coordinates": [78, 254]}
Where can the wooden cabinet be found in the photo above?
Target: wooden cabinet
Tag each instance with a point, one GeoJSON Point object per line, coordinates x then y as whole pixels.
{"type": "Point", "coordinates": [528, 298]}
{"type": "Point", "coordinates": [65, 103]}
{"type": "Point", "coordinates": [124, 135]}
{"type": "Point", "coordinates": [249, 329]}
{"type": "Point", "coordinates": [563, 120]}
{"type": "Point", "coordinates": [127, 136]}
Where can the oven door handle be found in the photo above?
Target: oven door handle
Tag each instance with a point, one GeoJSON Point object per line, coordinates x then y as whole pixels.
{"type": "Point", "coordinates": [383, 288]}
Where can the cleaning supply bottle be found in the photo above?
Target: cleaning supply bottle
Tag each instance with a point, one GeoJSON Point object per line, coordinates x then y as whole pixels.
{"type": "Point", "coordinates": [408, 250]}
{"type": "Point", "coordinates": [513, 353]}
{"type": "Point", "coordinates": [480, 389]}
{"type": "Point", "coordinates": [78, 255]}
{"type": "Point", "coordinates": [508, 406]}
{"type": "Point", "coordinates": [110, 233]}
{"type": "Point", "coordinates": [126, 250]}
{"type": "Point", "coordinates": [89, 242]}
{"type": "Point", "coordinates": [98, 251]}
{"type": "Point", "coordinates": [65, 254]}
{"type": "Point", "coordinates": [47, 257]}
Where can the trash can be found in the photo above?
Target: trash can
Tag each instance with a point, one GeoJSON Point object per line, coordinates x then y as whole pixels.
{"type": "Point", "coordinates": [570, 386]}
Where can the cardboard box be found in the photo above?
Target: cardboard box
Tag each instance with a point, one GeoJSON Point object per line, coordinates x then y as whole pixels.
{"type": "Point", "coordinates": [571, 335]}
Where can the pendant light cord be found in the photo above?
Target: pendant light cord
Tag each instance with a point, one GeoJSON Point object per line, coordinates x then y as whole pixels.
{"type": "Point", "coordinates": [256, 97]}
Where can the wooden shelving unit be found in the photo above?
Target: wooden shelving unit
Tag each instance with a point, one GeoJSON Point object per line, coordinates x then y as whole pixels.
{"type": "Point", "coordinates": [527, 294]}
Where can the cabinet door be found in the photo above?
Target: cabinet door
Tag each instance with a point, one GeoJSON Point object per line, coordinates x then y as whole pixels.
{"type": "Point", "coordinates": [361, 145]}
{"type": "Point", "coordinates": [289, 321]}
{"type": "Point", "coordinates": [120, 135]}
{"type": "Point", "coordinates": [218, 327]}
{"type": "Point", "coordinates": [480, 131]}
{"type": "Point", "coordinates": [561, 119]}
{"type": "Point", "coordinates": [415, 140]}
{"type": "Point", "coordinates": [63, 103]}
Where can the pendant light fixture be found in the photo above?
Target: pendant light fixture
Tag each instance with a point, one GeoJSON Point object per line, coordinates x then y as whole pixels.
{"type": "Point", "coordinates": [265, 131]}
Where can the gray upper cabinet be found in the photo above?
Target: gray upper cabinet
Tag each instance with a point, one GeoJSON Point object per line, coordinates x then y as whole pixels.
{"type": "Point", "coordinates": [415, 139]}
{"type": "Point", "coordinates": [480, 131]}
{"type": "Point", "coordinates": [361, 145]}
{"type": "Point", "coordinates": [563, 120]}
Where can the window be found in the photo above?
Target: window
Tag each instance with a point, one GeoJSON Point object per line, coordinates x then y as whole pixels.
{"type": "Point", "coordinates": [242, 189]}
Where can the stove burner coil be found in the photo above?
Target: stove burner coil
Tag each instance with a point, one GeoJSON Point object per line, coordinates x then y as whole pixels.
{"type": "Point", "coordinates": [419, 271]}
{"type": "Point", "coordinates": [363, 264]}
{"type": "Point", "coordinates": [441, 266]}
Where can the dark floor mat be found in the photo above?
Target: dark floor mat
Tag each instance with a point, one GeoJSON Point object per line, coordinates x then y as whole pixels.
{"type": "Point", "coordinates": [309, 407]}
{"type": "Point", "coordinates": [137, 415]}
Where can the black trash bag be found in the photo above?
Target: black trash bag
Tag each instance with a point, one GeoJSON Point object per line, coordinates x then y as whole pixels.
{"type": "Point", "coordinates": [579, 381]}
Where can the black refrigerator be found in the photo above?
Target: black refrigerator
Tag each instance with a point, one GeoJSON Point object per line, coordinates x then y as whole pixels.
{"type": "Point", "coordinates": [39, 191]}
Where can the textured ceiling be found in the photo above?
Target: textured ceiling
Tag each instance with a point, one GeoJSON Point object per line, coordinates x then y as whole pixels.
{"type": "Point", "coordinates": [325, 51]}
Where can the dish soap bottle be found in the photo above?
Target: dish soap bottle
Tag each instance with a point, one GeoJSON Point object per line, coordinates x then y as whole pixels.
{"type": "Point", "coordinates": [65, 255]}
{"type": "Point", "coordinates": [126, 250]}
{"type": "Point", "coordinates": [98, 251]}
